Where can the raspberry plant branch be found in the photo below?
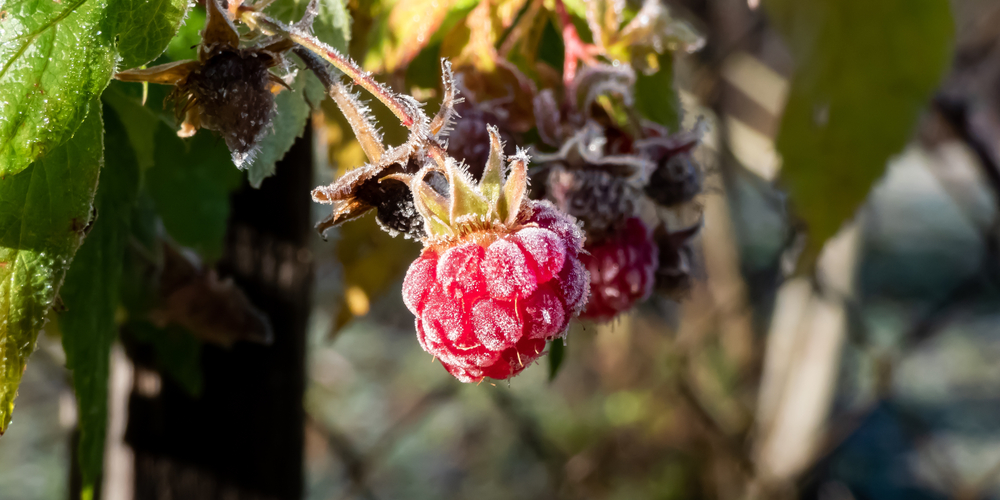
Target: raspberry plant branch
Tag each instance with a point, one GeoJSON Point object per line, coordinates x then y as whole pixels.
{"type": "Point", "coordinates": [405, 108]}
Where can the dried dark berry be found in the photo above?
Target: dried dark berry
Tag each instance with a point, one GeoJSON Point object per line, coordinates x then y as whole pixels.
{"type": "Point", "coordinates": [677, 177]}
{"type": "Point", "coordinates": [599, 199]}
{"type": "Point", "coordinates": [601, 190]}
{"type": "Point", "coordinates": [233, 89]}
{"type": "Point", "coordinates": [393, 201]}
{"type": "Point", "coordinates": [227, 89]}
{"type": "Point", "coordinates": [676, 180]}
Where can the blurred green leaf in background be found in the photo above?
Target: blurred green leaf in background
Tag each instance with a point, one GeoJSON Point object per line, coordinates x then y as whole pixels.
{"type": "Point", "coordinates": [865, 70]}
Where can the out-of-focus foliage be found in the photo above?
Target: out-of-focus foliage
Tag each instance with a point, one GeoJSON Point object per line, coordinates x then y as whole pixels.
{"type": "Point", "coordinates": [191, 181]}
{"type": "Point", "coordinates": [864, 72]}
{"type": "Point", "coordinates": [90, 295]}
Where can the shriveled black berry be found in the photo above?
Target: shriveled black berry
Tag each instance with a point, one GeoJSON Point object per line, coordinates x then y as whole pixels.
{"type": "Point", "coordinates": [677, 179]}
{"type": "Point", "coordinates": [601, 200]}
{"type": "Point", "coordinates": [233, 91]}
{"type": "Point", "coordinates": [393, 201]}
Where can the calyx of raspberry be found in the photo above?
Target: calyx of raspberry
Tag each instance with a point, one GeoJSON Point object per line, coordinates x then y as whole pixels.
{"type": "Point", "coordinates": [491, 205]}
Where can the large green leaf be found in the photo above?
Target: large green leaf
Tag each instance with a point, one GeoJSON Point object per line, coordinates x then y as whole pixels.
{"type": "Point", "coordinates": [57, 57]}
{"type": "Point", "coordinates": [864, 72]}
{"type": "Point", "coordinates": [90, 295]}
{"type": "Point", "coordinates": [145, 27]}
{"type": "Point", "coordinates": [190, 184]}
{"type": "Point", "coordinates": [288, 125]}
{"type": "Point", "coordinates": [44, 212]}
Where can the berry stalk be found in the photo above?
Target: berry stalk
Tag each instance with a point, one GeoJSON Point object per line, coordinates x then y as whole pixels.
{"type": "Point", "coordinates": [406, 112]}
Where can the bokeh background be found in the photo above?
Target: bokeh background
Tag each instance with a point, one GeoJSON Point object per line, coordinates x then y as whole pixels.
{"type": "Point", "coordinates": [873, 376]}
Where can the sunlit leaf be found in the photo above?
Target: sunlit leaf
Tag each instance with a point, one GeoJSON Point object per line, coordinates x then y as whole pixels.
{"type": "Point", "coordinates": [44, 213]}
{"type": "Point", "coordinates": [56, 57]}
{"type": "Point", "coordinates": [332, 24]}
{"type": "Point", "coordinates": [409, 27]}
{"type": "Point", "coordinates": [864, 72]}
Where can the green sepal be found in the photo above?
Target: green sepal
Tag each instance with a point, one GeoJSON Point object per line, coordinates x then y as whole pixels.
{"type": "Point", "coordinates": [513, 190]}
{"type": "Point", "coordinates": [492, 182]}
{"type": "Point", "coordinates": [465, 198]}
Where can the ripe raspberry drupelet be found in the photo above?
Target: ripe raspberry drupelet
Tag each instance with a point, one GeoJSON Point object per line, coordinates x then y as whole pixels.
{"type": "Point", "coordinates": [499, 275]}
{"type": "Point", "coordinates": [622, 271]}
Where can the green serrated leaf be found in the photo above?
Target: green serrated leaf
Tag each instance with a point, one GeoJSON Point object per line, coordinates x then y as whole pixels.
{"type": "Point", "coordinates": [145, 27]}
{"type": "Point", "coordinates": [557, 352]}
{"type": "Point", "coordinates": [865, 72]}
{"type": "Point", "coordinates": [190, 183]}
{"type": "Point", "coordinates": [56, 57]}
{"type": "Point", "coordinates": [90, 295]}
{"type": "Point", "coordinates": [44, 211]}
{"type": "Point", "coordinates": [288, 125]}
{"type": "Point", "coordinates": [656, 97]}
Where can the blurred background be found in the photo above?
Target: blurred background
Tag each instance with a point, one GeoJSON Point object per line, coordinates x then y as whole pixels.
{"type": "Point", "coordinates": [873, 375]}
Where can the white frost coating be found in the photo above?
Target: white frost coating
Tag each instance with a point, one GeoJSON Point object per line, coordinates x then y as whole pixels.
{"type": "Point", "coordinates": [495, 324]}
{"type": "Point", "coordinates": [358, 115]}
{"type": "Point", "coordinates": [576, 286]}
{"type": "Point", "coordinates": [565, 226]}
{"type": "Point", "coordinates": [417, 284]}
{"type": "Point", "coordinates": [506, 271]}
{"type": "Point", "coordinates": [459, 267]}
{"type": "Point", "coordinates": [546, 249]}
{"type": "Point", "coordinates": [444, 120]}
{"type": "Point", "coordinates": [546, 316]}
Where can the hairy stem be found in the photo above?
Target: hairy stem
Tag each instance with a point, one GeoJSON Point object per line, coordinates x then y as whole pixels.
{"type": "Point", "coordinates": [406, 112]}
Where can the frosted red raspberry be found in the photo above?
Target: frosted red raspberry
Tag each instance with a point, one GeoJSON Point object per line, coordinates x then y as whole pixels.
{"type": "Point", "coordinates": [621, 271]}
{"type": "Point", "coordinates": [486, 304]}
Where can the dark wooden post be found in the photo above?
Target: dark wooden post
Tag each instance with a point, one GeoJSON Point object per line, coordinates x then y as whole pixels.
{"type": "Point", "coordinates": [243, 437]}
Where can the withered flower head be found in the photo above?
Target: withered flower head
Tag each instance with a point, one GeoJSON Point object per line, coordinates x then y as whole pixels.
{"type": "Point", "coordinates": [382, 183]}
{"type": "Point", "coordinates": [228, 89]}
{"type": "Point", "coordinates": [601, 190]}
